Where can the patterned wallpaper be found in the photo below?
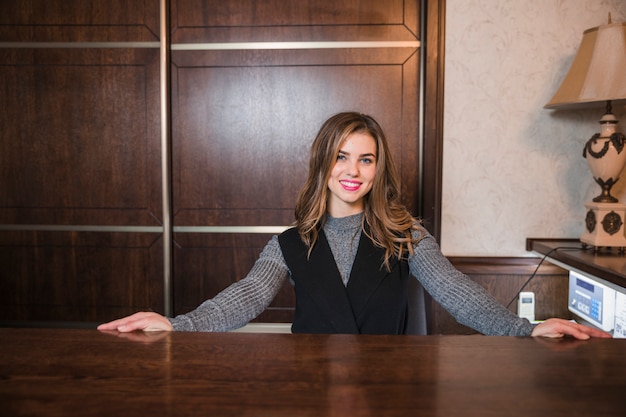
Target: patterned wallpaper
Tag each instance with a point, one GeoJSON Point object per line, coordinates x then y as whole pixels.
{"type": "Point", "coordinates": [513, 169]}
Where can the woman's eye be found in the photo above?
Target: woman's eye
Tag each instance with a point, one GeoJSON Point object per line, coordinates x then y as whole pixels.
{"type": "Point", "coordinates": [367, 160]}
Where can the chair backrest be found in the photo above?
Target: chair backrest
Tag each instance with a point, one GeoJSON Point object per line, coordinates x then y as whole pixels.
{"type": "Point", "coordinates": [418, 311]}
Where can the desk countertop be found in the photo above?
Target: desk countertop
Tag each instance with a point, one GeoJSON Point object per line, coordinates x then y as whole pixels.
{"type": "Point", "coordinates": [55, 372]}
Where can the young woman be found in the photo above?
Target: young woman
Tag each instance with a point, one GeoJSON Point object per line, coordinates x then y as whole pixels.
{"type": "Point", "coordinates": [350, 256]}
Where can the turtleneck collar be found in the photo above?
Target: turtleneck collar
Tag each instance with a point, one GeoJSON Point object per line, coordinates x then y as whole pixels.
{"type": "Point", "coordinates": [344, 223]}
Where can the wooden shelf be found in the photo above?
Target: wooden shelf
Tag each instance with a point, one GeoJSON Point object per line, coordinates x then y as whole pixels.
{"type": "Point", "coordinates": [605, 263]}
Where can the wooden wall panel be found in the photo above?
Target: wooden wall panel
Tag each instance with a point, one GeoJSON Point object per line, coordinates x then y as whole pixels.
{"type": "Point", "coordinates": [80, 136]}
{"type": "Point", "coordinates": [72, 276]}
{"type": "Point", "coordinates": [79, 21]}
{"type": "Point", "coordinates": [255, 13]}
{"type": "Point", "coordinates": [222, 143]}
{"type": "Point", "coordinates": [79, 158]}
{"type": "Point", "coordinates": [243, 121]}
{"type": "Point", "coordinates": [281, 21]}
{"type": "Point", "coordinates": [80, 146]}
{"type": "Point", "coordinates": [433, 114]}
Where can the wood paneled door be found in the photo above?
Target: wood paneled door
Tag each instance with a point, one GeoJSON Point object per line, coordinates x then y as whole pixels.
{"type": "Point", "coordinates": [80, 205]}
{"type": "Point", "coordinates": [245, 115]}
{"type": "Point", "coordinates": [85, 233]}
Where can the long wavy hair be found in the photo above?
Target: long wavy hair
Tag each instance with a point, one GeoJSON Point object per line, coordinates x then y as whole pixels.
{"type": "Point", "coordinates": [386, 221]}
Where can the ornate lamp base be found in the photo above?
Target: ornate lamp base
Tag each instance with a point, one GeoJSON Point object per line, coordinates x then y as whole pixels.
{"type": "Point", "coordinates": [604, 225]}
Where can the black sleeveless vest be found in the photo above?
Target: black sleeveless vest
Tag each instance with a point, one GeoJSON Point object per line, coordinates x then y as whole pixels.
{"type": "Point", "coordinates": [375, 301]}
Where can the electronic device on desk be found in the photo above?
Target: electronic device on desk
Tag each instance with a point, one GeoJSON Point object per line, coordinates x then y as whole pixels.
{"type": "Point", "coordinates": [592, 301]}
{"type": "Point", "coordinates": [526, 305]}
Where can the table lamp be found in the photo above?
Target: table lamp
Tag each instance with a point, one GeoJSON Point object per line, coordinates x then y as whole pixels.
{"type": "Point", "coordinates": [598, 76]}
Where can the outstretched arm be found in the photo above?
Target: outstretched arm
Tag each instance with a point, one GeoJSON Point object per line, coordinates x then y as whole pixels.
{"type": "Point", "coordinates": [474, 307]}
{"type": "Point", "coordinates": [231, 308]}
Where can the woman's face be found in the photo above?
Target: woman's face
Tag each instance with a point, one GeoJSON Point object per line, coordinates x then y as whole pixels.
{"type": "Point", "coordinates": [352, 176]}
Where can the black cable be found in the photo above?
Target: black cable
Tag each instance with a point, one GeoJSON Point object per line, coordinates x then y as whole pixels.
{"type": "Point", "coordinates": [537, 269]}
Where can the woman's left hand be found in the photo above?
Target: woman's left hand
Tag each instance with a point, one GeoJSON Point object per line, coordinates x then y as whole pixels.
{"type": "Point", "coordinates": [561, 328]}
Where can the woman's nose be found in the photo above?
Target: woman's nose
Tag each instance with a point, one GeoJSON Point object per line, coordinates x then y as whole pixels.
{"type": "Point", "coordinates": [353, 169]}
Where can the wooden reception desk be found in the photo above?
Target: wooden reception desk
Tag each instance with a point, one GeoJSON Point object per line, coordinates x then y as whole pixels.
{"type": "Point", "coordinates": [77, 372]}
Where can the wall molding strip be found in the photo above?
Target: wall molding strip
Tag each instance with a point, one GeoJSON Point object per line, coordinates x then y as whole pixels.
{"type": "Point", "coordinates": [79, 228]}
{"type": "Point", "coordinates": [222, 46]}
{"type": "Point", "coordinates": [240, 46]}
{"type": "Point", "coordinates": [84, 45]}
{"type": "Point", "coordinates": [231, 229]}
{"type": "Point", "coordinates": [141, 229]}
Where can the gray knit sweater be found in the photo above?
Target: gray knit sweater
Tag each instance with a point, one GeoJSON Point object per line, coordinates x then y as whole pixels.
{"type": "Point", "coordinates": [469, 303]}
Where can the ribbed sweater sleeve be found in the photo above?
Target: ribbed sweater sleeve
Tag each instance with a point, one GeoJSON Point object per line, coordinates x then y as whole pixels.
{"type": "Point", "coordinates": [242, 301]}
{"type": "Point", "coordinates": [468, 302]}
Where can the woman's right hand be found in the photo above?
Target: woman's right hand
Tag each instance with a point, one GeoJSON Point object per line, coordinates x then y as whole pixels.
{"type": "Point", "coordinates": [146, 321]}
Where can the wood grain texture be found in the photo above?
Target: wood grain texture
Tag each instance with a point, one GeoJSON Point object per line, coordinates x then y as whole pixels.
{"type": "Point", "coordinates": [79, 21]}
{"type": "Point", "coordinates": [81, 140]}
{"type": "Point", "coordinates": [75, 276]}
{"type": "Point", "coordinates": [59, 372]}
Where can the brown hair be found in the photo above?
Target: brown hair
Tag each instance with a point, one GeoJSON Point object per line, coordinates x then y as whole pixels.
{"type": "Point", "coordinates": [389, 224]}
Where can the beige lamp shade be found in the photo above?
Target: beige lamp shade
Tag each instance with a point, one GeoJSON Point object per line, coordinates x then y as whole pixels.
{"type": "Point", "coordinates": [598, 73]}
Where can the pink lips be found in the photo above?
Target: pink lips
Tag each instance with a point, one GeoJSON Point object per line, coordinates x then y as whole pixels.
{"type": "Point", "coordinates": [350, 185]}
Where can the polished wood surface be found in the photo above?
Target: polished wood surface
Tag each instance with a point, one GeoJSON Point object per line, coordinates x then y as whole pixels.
{"type": "Point", "coordinates": [79, 148]}
{"type": "Point", "coordinates": [79, 21]}
{"type": "Point", "coordinates": [47, 372]}
{"type": "Point", "coordinates": [434, 77]}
